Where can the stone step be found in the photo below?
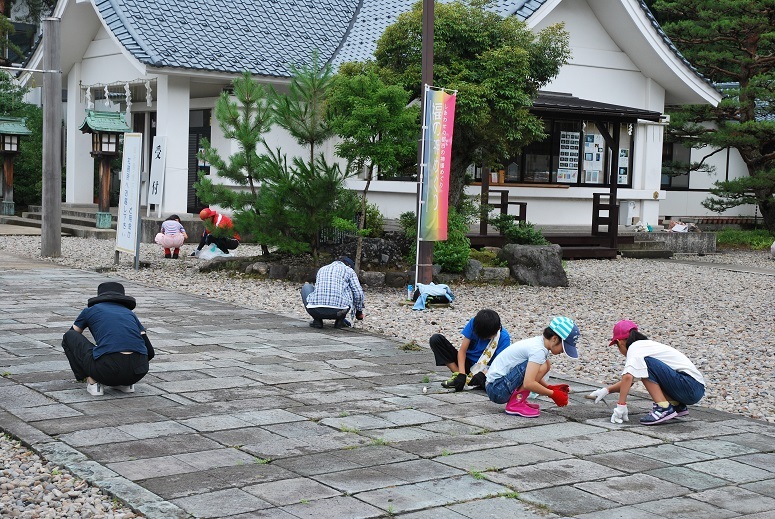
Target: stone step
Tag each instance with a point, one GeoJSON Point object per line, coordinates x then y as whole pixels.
{"type": "Point", "coordinates": [81, 231]}
{"type": "Point", "coordinates": [643, 245]}
{"type": "Point", "coordinates": [647, 254]}
{"type": "Point", "coordinates": [70, 219]}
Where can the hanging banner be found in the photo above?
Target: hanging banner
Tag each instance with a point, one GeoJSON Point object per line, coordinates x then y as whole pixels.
{"type": "Point", "coordinates": [129, 199]}
{"type": "Point", "coordinates": [439, 122]}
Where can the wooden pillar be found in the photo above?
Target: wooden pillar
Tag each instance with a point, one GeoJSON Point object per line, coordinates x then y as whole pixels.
{"type": "Point", "coordinates": [104, 199]}
{"type": "Point", "coordinates": [8, 205]}
{"type": "Point", "coordinates": [484, 219]}
{"type": "Point", "coordinates": [51, 227]}
{"type": "Point", "coordinates": [425, 249]}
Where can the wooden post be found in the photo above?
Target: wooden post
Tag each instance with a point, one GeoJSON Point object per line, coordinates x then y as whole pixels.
{"type": "Point", "coordinates": [104, 200]}
{"type": "Point", "coordinates": [484, 219]}
{"type": "Point", "coordinates": [8, 205]}
{"type": "Point", "coordinates": [425, 249]}
{"type": "Point", "coordinates": [51, 227]}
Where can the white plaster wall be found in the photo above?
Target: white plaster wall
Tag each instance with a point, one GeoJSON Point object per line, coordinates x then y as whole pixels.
{"type": "Point", "coordinates": [79, 164]}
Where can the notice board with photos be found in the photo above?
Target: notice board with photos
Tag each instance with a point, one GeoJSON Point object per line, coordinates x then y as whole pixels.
{"type": "Point", "coordinates": [594, 154]}
{"type": "Point", "coordinates": [568, 170]}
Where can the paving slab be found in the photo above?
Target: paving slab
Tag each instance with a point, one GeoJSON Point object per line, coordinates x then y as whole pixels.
{"type": "Point", "coordinates": [259, 416]}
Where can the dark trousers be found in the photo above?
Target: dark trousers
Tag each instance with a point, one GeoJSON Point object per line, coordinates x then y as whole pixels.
{"type": "Point", "coordinates": [445, 353]}
{"type": "Point", "coordinates": [112, 369]}
{"type": "Point", "coordinates": [321, 312]}
{"type": "Point", "coordinates": [225, 244]}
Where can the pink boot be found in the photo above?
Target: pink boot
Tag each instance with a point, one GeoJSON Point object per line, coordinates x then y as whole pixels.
{"type": "Point", "coordinates": [519, 405]}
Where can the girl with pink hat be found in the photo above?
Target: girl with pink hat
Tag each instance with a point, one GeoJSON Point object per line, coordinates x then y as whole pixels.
{"type": "Point", "coordinates": [671, 379]}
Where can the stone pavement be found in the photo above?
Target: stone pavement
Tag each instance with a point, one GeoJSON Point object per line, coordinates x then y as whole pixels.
{"type": "Point", "coordinates": [248, 414]}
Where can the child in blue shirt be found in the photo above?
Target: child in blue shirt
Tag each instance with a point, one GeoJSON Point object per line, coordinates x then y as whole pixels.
{"type": "Point", "coordinates": [481, 331]}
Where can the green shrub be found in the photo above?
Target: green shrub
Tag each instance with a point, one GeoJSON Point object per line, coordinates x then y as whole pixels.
{"type": "Point", "coordinates": [408, 223]}
{"type": "Point", "coordinates": [523, 233]}
{"type": "Point", "coordinates": [375, 222]}
{"type": "Point", "coordinates": [487, 258]}
{"type": "Point", "coordinates": [452, 255]}
{"type": "Point", "coordinates": [759, 239]}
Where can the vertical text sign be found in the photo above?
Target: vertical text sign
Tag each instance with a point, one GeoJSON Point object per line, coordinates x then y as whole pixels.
{"type": "Point", "coordinates": [129, 196]}
{"type": "Point", "coordinates": [439, 123]}
{"type": "Point", "coordinates": [158, 163]}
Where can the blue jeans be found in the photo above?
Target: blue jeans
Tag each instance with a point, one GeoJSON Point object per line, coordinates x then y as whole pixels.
{"type": "Point", "coordinates": [676, 385]}
{"type": "Point", "coordinates": [321, 312]}
{"type": "Point", "coordinates": [500, 390]}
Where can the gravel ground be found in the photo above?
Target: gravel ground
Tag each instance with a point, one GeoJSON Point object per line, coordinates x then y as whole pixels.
{"type": "Point", "coordinates": [722, 320]}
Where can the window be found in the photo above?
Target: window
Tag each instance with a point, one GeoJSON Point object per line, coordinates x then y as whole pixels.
{"type": "Point", "coordinates": [675, 159]}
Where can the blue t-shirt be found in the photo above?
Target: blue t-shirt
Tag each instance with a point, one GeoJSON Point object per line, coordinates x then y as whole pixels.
{"type": "Point", "coordinates": [115, 328]}
{"type": "Point", "coordinates": [478, 345]}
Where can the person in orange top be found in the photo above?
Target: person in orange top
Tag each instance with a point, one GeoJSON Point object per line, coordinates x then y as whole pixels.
{"type": "Point", "coordinates": [214, 219]}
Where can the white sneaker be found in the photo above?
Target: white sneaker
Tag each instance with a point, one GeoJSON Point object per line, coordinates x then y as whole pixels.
{"type": "Point", "coordinates": [125, 389]}
{"type": "Point", "coordinates": [94, 389]}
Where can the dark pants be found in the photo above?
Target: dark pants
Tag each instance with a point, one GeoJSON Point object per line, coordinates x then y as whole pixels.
{"type": "Point", "coordinates": [445, 353]}
{"type": "Point", "coordinates": [112, 369]}
{"type": "Point", "coordinates": [225, 244]}
{"type": "Point", "coordinates": [321, 312]}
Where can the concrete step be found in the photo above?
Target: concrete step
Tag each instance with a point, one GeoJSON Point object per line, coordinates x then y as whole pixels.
{"type": "Point", "coordinates": [81, 231]}
{"type": "Point", "coordinates": [643, 245]}
{"type": "Point", "coordinates": [69, 219]}
{"type": "Point", "coordinates": [646, 254]}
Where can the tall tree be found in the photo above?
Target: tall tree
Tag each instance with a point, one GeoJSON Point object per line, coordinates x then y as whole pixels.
{"type": "Point", "coordinates": [496, 64]}
{"type": "Point", "coordinates": [730, 41]}
{"type": "Point", "coordinates": [377, 127]}
{"type": "Point", "coordinates": [299, 198]}
{"type": "Point", "coordinates": [245, 120]}
{"type": "Point", "coordinates": [34, 9]}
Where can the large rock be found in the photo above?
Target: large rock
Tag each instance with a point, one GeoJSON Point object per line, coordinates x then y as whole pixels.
{"type": "Point", "coordinates": [535, 265]}
{"type": "Point", "coordinates": [372, 278]}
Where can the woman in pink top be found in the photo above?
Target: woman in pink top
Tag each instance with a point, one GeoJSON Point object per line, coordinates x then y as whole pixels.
{"type": "Point", "coordinates": [172, 235]}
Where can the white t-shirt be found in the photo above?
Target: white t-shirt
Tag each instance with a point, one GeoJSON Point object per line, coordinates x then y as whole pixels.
{"type": "Point", "coordinates": [531, 349]}
{"type": "Point", "coordinates": [635, 364]}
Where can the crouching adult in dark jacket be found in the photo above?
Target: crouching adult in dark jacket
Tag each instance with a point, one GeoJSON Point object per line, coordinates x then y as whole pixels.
{"type": "Point", "coordinates": [120, 357]}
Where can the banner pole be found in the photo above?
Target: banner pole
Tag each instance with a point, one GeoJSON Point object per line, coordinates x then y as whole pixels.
{"type": "Point", "coordinates": [420, 185]}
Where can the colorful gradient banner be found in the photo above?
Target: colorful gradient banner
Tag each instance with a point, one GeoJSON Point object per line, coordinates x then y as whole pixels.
{"type": "Point", "coordinates": [439, 122]}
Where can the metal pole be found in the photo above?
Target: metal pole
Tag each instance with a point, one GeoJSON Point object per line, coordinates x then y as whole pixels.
{"type": "Point", "coordinates": [51, 227]}
{"type": "Point", "coordinates": [424, 266]}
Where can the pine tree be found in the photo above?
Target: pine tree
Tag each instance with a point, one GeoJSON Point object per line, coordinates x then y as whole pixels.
{"type": "Point", "coordinates": [244, 121]}
{"type": "Point", "coordinates": [733, 42]}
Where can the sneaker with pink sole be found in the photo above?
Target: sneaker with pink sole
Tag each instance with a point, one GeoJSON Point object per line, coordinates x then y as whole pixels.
{"type": "Point", "coordinates": [518, 405]}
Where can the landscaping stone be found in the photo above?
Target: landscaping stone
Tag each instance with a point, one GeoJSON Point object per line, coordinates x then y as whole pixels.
{"type": "Point", "coordinates": [535, 265]}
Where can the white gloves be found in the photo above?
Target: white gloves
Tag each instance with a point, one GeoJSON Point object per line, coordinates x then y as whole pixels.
{"type": "Point", "coordinates": [598, 394]}
{"type": "Point", "coordinates": [620, 414]}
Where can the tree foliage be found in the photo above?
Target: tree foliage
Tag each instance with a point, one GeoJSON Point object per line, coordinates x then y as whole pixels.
{"type": "Point", "coordinates": [496, 64]}
{"type": "Point", "coordinates": [731, 41]}
{"type": "Point", "coordinates": [28, 164]}
{"type": "Point", "coordinates": [34, 10]}
{"type": "Point", "coordinates": [377, 128]}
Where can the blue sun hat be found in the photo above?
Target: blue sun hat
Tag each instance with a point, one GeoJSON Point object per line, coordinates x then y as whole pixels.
{"type": "Point", "coordinates": [568, 332]}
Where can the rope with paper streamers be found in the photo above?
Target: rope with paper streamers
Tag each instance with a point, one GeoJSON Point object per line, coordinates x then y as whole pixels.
{"type": "Point", "coordinates": [119, 92]}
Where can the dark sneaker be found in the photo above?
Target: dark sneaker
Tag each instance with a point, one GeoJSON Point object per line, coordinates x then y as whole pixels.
{"type": "Point", "coordinates": [478, 381]}
{"type": "Point", "coordinates": [175, 256]}
{"type": "Point", "coordinates": [316, 323]}
{"type": "Point", "coordinates": [681, 410]}
{"type": "Point", "coordinates": [168, 256]}
{"type": "Point", "coordinates": [457, 381]}
{"type": "Point", "coordinates": [659, 415]}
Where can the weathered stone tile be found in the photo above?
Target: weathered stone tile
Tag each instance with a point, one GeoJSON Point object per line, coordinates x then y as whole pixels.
{"type": "Point", "coordinates": [500, 457]}
{"type": "Point", "coordinates": [731, 470]}
{"type": "Point", "coordinates": [671, 454]}
{"type": "Point", "coordinates": [688, 478]}
{"type": "Point", "coordinates": [291, 491]}
{"type": "Point", "coordinates": [624, 461]}
{"type": "Point", "coordinates": [551, 474]}
{"type": "Point", "coordinates": [765, 488]}
{"type": "Point", "coordinates": [221, 503]}
{"type": "Point", "coordinates": [494, 507]}
{"type": "Point", "coordinates": [151, 467]}
{"type": "Point", "coordinates": [719, 448]}
{"type": "Point", "coordinates": [568, 500]}
{"type": "Point", "coordinates": [736, 499]}
{"type": "Point", "coordinates": [685, 507]}
{"type": "Point", "coordinates": [633, 488]}
{"type": "Point", "coordinates": [144, 431]}
{"type": "Point", "coordinates": [338, 506]}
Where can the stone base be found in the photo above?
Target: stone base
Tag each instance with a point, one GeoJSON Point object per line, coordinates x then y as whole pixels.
{"type": "Point", "coordinates": [9, 208]}
{"type": "Point", "coordinates": [104, 220]}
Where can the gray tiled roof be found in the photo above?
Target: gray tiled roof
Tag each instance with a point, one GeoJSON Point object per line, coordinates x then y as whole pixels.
{"type": "Point", "coordinates": [262, 36]}
{"type": "Point", "coordinates": [267, 36]}
{"type": "Point", "coordinates": [376, 15]}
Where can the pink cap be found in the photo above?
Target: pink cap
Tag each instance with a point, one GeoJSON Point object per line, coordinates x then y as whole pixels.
{"type": "Point", "coordinates": [622, 330]}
